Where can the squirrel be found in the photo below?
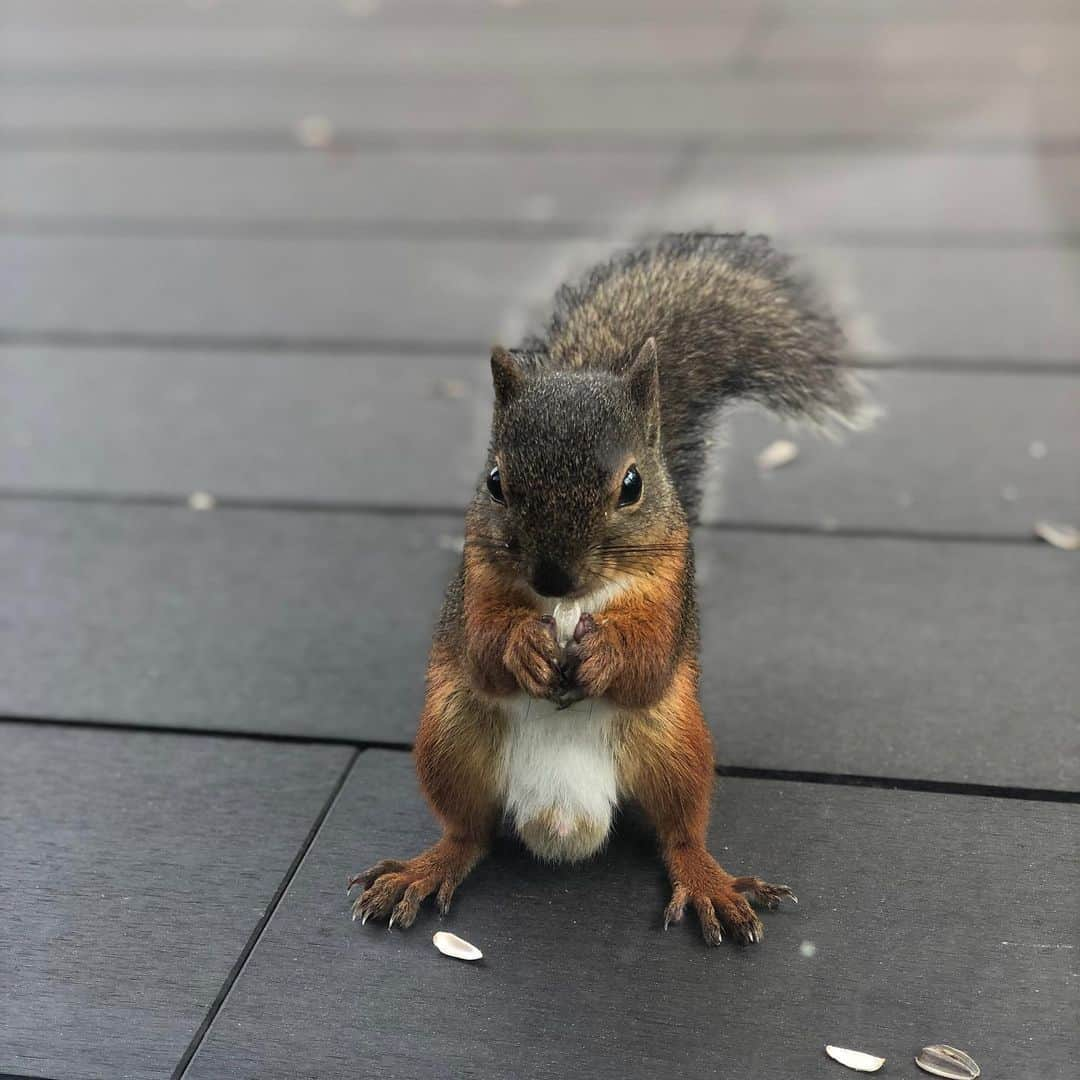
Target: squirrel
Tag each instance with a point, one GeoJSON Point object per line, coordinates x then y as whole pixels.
{"type": "Point", "coordinates": [563, 678]}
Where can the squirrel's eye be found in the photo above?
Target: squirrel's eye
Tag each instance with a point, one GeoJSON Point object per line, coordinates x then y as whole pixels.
{"type": "Point", "coordinates": [630, 491]}
{"type": "Point", "coordinates": [494, 486]}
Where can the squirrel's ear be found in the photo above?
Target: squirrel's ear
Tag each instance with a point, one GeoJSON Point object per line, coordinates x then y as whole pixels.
{"type": "Point", "coordinates": [644, 381]}
{"type": "Point", "coordinates": [506, 374]}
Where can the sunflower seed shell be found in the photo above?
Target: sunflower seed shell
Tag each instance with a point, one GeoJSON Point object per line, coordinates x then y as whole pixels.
{"type": "Point", "coordinates": [947, 1061]}
{"type": "Point", "coordinates": [1066, 537]}
{"type": "Point", "coordinates": [776, 455]}
{"type": "Point", "coordinates": [855, 1059]}
{"type": "Point", "coordinates": [458, 948]}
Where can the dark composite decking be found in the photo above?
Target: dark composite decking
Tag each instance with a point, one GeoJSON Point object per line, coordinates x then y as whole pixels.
{"type": "Point", "coordinates": [205, 716]}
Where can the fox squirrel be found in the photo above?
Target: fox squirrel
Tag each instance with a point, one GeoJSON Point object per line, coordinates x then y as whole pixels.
{"type": "Point", "coordinates": [563, 678]}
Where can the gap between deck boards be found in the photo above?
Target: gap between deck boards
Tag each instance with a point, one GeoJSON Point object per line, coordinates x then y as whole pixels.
{"type": "Point", "coordinates": [268, 914]}
{"type": "Point", "coordinates": [412, 510]}
{"type": "Point", "coordinates": [264, 139]}
{"type": "Point", "coordinates": [176, 342]}
{"type": "Point", "coordinates": [495, 229]}
{"type": "Point", "coordinates": [796, 776]}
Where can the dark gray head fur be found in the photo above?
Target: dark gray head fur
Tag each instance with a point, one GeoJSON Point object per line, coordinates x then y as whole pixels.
{"type": "Point", "coordinates": [562, 441]}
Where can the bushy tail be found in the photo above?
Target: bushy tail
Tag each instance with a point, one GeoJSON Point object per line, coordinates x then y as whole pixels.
{"type": "Point", "coordinates": [730, 321]}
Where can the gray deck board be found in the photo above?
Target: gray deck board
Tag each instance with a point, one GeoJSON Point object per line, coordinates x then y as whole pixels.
{"type": "Point", "coordinates": [921, 302]}
{"type": "Point", "coordinates": [865, 656]}
{"type": "Point", "coordinates": [136, 866]}
{"type": "Point", "coordinates": [942, 196]}
{"type": "Point", "coordinates": [208, 15]}
{"type": "Point", "coordinates": [262, 622]}
{"type": "Point", "coordinates": [169, 15]}
{"type": "Point", "coordinates": [577, 974]}
{"type": "Point", "coordinates": [941, 661]}
{"type": "Point", "coordinates": [372, 428]}
{"type": "Point", "coordinates": [951, 454]}
{"type": "Point", "coordinates": [284, 189]}
{"type": "Point", "coordinates": [925, 10]}
{"type": "Point", "coordinates": [985, 455]}
{"type": "Point", "coordinates": [938, 196]}
{"type": "Point", "coordinates": [799, 111]}
{"type": "Point", "coordinates": [960, 48]}
{"type": "Point", "coordinates": [425, 51]}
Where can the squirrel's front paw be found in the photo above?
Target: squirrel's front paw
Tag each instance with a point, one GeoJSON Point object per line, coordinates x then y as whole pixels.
{"type": "Point", "coordinates": [592, 658]}
{"type": "Point", "coordinates": [532, 656]}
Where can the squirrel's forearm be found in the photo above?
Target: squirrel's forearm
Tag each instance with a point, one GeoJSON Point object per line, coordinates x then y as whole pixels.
{"type": "Point", "coordinates": [629, 651]}
{"type": "Point", "coordinates": [645, 640]}
{"type": "Point", "coordinates": [489, 618]}
{"type": "Point", "coordinates": [486, 637]}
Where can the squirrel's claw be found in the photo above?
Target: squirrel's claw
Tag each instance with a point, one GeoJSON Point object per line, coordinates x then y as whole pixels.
{"type": "Point", "coordinates": [769, 896]}
{"type": "Point", "coordinates": [366, 877]}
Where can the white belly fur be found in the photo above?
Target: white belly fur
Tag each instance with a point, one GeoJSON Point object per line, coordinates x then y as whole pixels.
{"type": "Point", "coordinates": [559, 765]}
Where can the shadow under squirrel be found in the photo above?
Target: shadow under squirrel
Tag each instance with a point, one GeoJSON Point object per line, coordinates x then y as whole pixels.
{"type": "Point", "coordinates": [563, 678]}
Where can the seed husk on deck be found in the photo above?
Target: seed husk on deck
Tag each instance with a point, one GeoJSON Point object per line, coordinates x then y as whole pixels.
{"type": "Point", "coordinates": [947, 1061]}
{"type": "Point", "coordinates": [855, 1059]}
{"type": "Point", "coordinates": [776, 455]}
{"type": "Point", "coordinates": [451, 945]}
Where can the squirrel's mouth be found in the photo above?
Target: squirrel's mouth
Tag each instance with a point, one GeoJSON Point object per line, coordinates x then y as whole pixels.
{"type": "Point", "coordinates": [587, 588]}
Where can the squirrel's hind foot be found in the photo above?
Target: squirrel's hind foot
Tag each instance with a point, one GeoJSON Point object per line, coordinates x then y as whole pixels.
{"type": "Point", "coordinates": [397, 889]}
{"type": "Point", "coordinates": [718, 899]}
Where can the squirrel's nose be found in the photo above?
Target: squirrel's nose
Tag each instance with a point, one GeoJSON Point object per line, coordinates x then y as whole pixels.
{"type": "Point", "coordinates": [550, 579]}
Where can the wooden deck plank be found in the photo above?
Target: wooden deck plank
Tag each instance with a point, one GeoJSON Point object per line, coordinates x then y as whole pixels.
{"type": "Point", "coordinates": [879, 954]}
{"type": "Point", "coordinates": [167, 14]}
{"type": "Point", "coordinates": [940, 661]}
{"type": "Point", "coordinates": [970, 11]}
{"type": "Point", "coordinates": [938, 197]}
{"type": "Point", "coordinates": [379, 429]}
{"type": "Point", "coordinates": [212, 106]}
{"type": "Point", "coordinates": [842, 655]}
{"type": "Point", "coordinates": [136, 866]}
{"type": "Point", "coordinates": [985, 455]}
{"type": "Point", "coordinates": [943, 197]}
{"type": "Point", "coordinates": [952, 454]}
{"type": "Point", "coordinates": [931, 303]}
{"type": "Point", "coordinates": [283, 190]}
{"type": "Point", "coordinates": [424, 51]}
{"type": "Point", "coordinates": [968, 50]}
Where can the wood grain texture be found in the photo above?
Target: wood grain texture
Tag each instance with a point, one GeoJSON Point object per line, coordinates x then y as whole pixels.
{"type": "Point", "coordinates": [919, 908]}
{"type": "Point", "coordinates": [940, 661]}
{"type": "Point", "coordinates": [135, 868]}
{"type": "Point", "coordinates": [951, 453]}
{"type": "Point", "coordinates": [957, 304]}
